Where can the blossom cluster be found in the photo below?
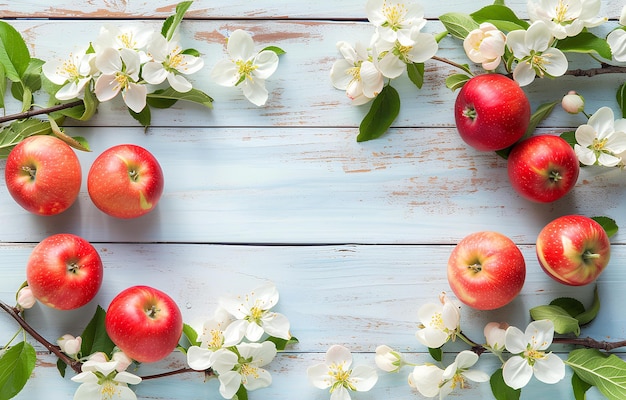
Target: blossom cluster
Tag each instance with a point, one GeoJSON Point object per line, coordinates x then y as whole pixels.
{"type": "Point", "coordinates": [234, 342]}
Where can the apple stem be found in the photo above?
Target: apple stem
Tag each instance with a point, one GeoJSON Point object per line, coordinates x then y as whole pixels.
{"type": "Point", "coordinates": [588, 255]}
{"type": "Point", "coordinates": [31, 171]}
{"type": "Point", "coordinates": [475, 267]}
{"type": "Point", "coordinates": [470, 113]}
{"type": "Point", "coordinates": [555, 176]}
{"type": "Point", "coordinates": [133, 175]}
{"type": "Point", "coordinates": [152, 312]}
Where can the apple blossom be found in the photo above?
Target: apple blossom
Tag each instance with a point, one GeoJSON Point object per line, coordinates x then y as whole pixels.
{"type": "Point", "coordinates": [601, 140]}
{"type": "Point", "coordinates": [25, 298]}
{"type": "Point", "coordinates": [573, 103]}
{"type": "Point", "coordinates": [566, 18]}
{"type": "Point", "coordinates": [485, 45]}
{"type": "Point", "coordinates": [357, 73]}
{"type": "Point", "coordinates": [535, 56]}
{"type": "Point", "coordinates": [123, 361]}
{"type": "Point", "coordinates": [131, 38]}
{"type": "Point", "coordinates": [495, 334]}
{"type": "Point", "coordinates": [70, 345]}
{"type": "Point", "coordinates": [388, 359]}
{"type": "Point", "coordinates": [120, 73]}
{"type": "Point", "coordinates": [253, 314]}
{"type": "Point", "coordinates": [101, 380]}
{"type": "Point", "coordinates": [439, 322]}
{"type": "Point", "coordinates": [169, 62]}
{"type": "Point", "coordinates": [530, 356]}
{"type": "Point", "coordinates": [246, 68]}
{"type": "Point", "coordinates": [426, 379]}
{"type": "Point", "coordinates": [394, 56]}
{"type": "Point", "coordinates": [395, 20]}
{"type": "Point", "coordinates": [244, 369]}
{"type": "Point", "coordinates": [338, 374]}
{"type": "Point", "coordinates": [73, 73]}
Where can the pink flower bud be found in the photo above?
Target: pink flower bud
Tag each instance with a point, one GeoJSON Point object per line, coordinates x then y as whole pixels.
{"type": "Point", "coordinates": [573, 103]}
{"type": "Point", "coordinates": [123, 361]}
{"type": "Point", "coordinates": [25, 298]}
{"type": "Point", "coordinates": [69, 344]}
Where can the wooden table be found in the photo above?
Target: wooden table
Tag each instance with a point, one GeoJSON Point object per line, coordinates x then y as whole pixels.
{"type": "Point", "coordinates": [356, 236]}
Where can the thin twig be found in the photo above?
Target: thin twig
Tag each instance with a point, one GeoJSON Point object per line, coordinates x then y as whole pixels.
{"type": "Point", "coordinates": [208, 372]}
{"type": "Point", "coordinates": [591, 343]}
{"type": "Point", "coordinates": [48, 110]}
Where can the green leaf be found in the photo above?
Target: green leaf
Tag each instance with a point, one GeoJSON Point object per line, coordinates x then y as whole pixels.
{"type": "Point", "coordinates": [592, 312]}
{"type": "Point", "coordinates": [542, 112]}
{"type": "Point", "coordinates": [382, 113]}
{"type": "Point", "coordinates": [188, 339]}
{"type": "Point", "coordinates": [172, 22]}
{"type": "Point", "coordinates": [563, 322]}
{"type": "Point", "coordinates": [16, 366]}
{"type": "Point", "coordinates": [621, 99]}
{"type": "Point", "coordinates": [281, 344]}
{"type": "Point", "coordinates": [79, 144]}
{"type": "Point", "coordinates": [569, 137]}
{"type": "Point", "coordinates": [14, 54]}
{"type": "Point", "coordinates": [436, 353]}
{"type": "Point", "coordinates": [169, 94]}
{"type": "Point", "coordinates": [585, 42]}
{"type": "Point", "coordinates": [500, 390]}
{"type": "Point", "coordinates": [95, 337]}
{"type": "Point", "coordinates": [608, 224]}
{"type": "Point", "coordinates": [242, 394]}
{"type": "Point", "coordinates": [17, 131]}
{"type": "Point", "coordinates": [569, 304]}
{"type": "Point", "coordinates": [191, 52]}
{"type": "Point", "coordinates": [501, 16]}
{"type": "Point", "coordinates": [456, 81]}
{"type": "Point", "coordinates": [606, 372]}
{"type": "Point", "coordinates": [458, 25]}
{"type": "Point", "coordinates": [416, 73]}
{"type": "Point", "coordinates": [143, 117]}
{"type": "Point", "coordinates": [580, 387]}
{"type": "Point", "coordinates": [23, 94]}
{"type": "Point", "coordinates": [61, 367]}
{"type": "Point", "coordinates": [3, 85]}
{"type": "Point", "coordinates": [275, 49]}
{"type": "Point", "coordinates": [32, 75]}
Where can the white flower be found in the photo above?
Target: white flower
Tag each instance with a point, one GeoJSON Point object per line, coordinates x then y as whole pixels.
{"type": "Point", "coordinates": [388, 359]}
{"type": "Point", "coordinates": [69, 344]}
{"type": "Point", "coordinates": [215, 335]}
{"type": "Point", "coordinates": [101, 380]}
{"type": "Point", "coordinates": [495, 334]}
{"type": "Point", "coordinates": [395, 56]}
{"type": "Point", "coordinates": [356, 73]}
{"type": "Point", "coordinates": [535, 56]}
{"type": "Point", "coordinates": [25, 298]}
{"type": "Point", "coordinates": [426, 379]}
{"type": "Point", "coordinates": [617, 42]}
{"type": "Point", "coordinates": [530, 356]}
{"type": "Point", "coordinates": [439, 322]}
{"type": "Point", "coordinates": [253, 314]}
{"type": "Point", "coordinates": [234, 371]}
{"type": "Point", "coordinates": [601, 140]}
{"type": "Point", "coordinates": [395, 20]}
{"type": "Point", "coordinates": [169, 63]}
{"type": "Point", "coordinates": [338, 374]}
{"type": "Point", "coordinates": [73, 73]}
{"type": "Point", "coordinates": [130, 38]}
{"type": "Point", "coordinates": [566, 17]}
{"type": "Point", "coordinates": [246, 68]}
{"type": "Point", "coordinates": [120, 73]}
{"type": "Point", "coordinates": [573, 103]}
{"type": "Point", "coordinates": [485, 45]}
{"type": "Point", "coordinates": [123, 361]}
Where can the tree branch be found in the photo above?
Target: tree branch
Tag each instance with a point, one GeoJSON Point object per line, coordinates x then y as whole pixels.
{"type": "Point", "coordinates": [48, 110]}
{"type": "Point", "coordinates": [207, 372]}
{"type": "Point", "coordinates": [591, 343]}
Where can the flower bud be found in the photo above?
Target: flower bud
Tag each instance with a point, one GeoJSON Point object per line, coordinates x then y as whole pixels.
{"type": "Point", "coordinates": [69, 344]}
{"type": "Point", "coordinates": [387, 359]}
{"type": "Point", "coordinates": [573, 103]}
{"type": "Point", "coordinates": [123, 361]}
{"type": "Point", "coordinates": [99, 357]}
{"type": "Point", "coordinates": [494, 334]}
{"type": "Point", "coordinates": [25, 298]}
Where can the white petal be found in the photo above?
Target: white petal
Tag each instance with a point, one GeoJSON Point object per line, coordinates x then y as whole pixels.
{"type": "Point", "coordinates": [132, 62]}
{"type": "Point", "coordinates": [603, 122]}
{"type": "Point", "coordinates": [339, 74]}
{"type": "Point", "coordinates": [255, 91]}
{"type": "Point", "coordinates": [199, 358]}
{"type": "Point", "coordinates": [266, 63]}
{"type": "Point", "coordinates": [466, 359]}
{"type": "Point", "coordinates": [229, 383]}
{"type": "Point", "coordinates": [235, 332]}
{"type": "Point", "coordinates": [179, 83]}
{"type": "Point", "coordinates": [515, 41]}
{"type": "Point", "coordinates": [585, 134]}
{"type": "Point", "coordinates": [371, 78]}
{"type": "Point", "coordinates": [240, 45]}
{"type": "Point", "coordinates": [426, 379]}
{"type": "Point", "coordinates": [608, 160]}
{"type": "Point", "coordinates": [425, 47]}
{"type": "Point", "coordinates": [108, 61]}
{"type": "Point", "coordinates": [85, 377]}
{"type": "Point", "coordinates": [135, 97]}
{"type": "Point", "coordinates": [516, 372]}
{"type": "Point", "coordinates": [585, 155]}
{"type": "Point", "coordinates": [71, 90]}
{"type": "Point", "coordinates": [616, 142]}
{"type": "Point", "coordinates": [339, 355]}
{"type": "Point", "coordinates": [476, 375]}
{"type": "Point", "coordinates": [88, 391]}
{"type": "Point", "coordinates": [190, 64]}
{"type": "Point", "coordinates": [318, 376]}
{"type": "Point", "coordinates": [254, 332]}
{"type": "Point", "coordinates": [554, 62]}
{"type": "Point", "coordinates": [154, 73]}
{"type": "Point", "coordinates": [622, 17]}
{"type": "Point", "coordinates": [341, 393]}
{"type": "Point", "coordinates": [391, 66]}
{"type": "Point", "coordinates": [450, 314]}
{"type": "Point", "coordinates": [225, 73]}
{"type": "Point", "coordinates": [363, 378]}
{"type": "Point", "coordinates": [158, 47]}
{"type": "Point", "coordinates": [51, 70]}
{"type": "Point", "coordinates": [276, 325]}
{"type": "Point", "coordinates": [127, 377]}
{"type": "Point", "coordinates": [107, 87]}
{"type": "Point", "coordinates": [514, 340]}
{"type": "Point", "coordinates": [224, 360]}
{"type": "Point", "coordinates": [538, 36]}
{"type": "Point", "coordinates": [524, 74]}
{"type": "Point", "coordinates": [550, 370]}
{"type": "Point", "coordinates": [539, 334]}
{"type": "Point", "coordinates": [257, 380]}
{"type": "Point", "coordinates": [431, 337]}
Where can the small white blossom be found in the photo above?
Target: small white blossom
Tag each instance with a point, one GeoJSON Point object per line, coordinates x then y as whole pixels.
{"type": "Point", "coordinates": [101, 380]}
{"type": "Point", "coordinates": [123, 361]}
{"type": "Point", "coordinates": [133, 38]}
{"type": "Point", "coordinates": [566, 18]}
{"type": "Point", "coordinates": [617, 41]}
{"type": "Point", "coordinates": [246, 68]}
{"type": "Point", "coordinates": [338, 374]}
{"type": "Point", "coordinates": [253, 314]}
{"type": "Point", "coordinates": [495, 334]}
{"type": "Point", "coordinates": [357, 73]}
{"type": "Point", "coordinates": [535, 56]}
{"type": "Point", "coordinates": [573, 103]}
{"type": "Point", "coordinates": [25, 298]}
{"type": "Point", "coordinates": [439, 322]}
{"type": "Point", "coordinates": [73, 73]}
{"type": "Point", "coordinates": [426, 379]}
{"type": "Point", "coordinates": [485, 45]}
{"type": "Point", "coordinates": [215, 335]}
{"type": "Point", "coordinates": [168, 62]}
{"type": "Point", "coordinates": [530, 356]}
{"type": "Point", "coordinates": [396, 20]}
{"type": "Point", "coordinates": [120, 73]}
{"type": "Point", "coordinates": [601, 140]}
{"type": "Point", "coordinates": [69, 344]}
{"type": "Point", "coordinates": [388, 359]}
{"type": "Point", "coordinates": [395, 56]}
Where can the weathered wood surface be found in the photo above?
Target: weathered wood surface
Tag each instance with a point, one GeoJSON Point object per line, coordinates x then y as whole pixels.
{"type": "Point", "coordinates": [355, 235]}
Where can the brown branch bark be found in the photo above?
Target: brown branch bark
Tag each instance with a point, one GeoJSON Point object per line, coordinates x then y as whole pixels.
{"type": "Point", "coordinates": [48, 110]}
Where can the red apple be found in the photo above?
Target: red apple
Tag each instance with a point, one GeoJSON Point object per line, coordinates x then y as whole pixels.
{"type": "Point", "coordinates": [573, 249]}
{"type": "Point", "coordinates": [543, 168]}
{"type": "Point", "coordinates": [144, 323]}
{"type": "Point", "coordinates": [43, 175]}
{"type": "Point", "coordinates": [486, 270]}
{"type": "Point", "coordinates": [491, 112]}
{"type": "Point", "coordinates": [64, 271]}
{"type": "Point", "coordinates": [125, 181]}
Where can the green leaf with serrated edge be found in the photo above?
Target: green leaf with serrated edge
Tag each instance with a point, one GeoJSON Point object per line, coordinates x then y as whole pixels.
{"type": "Point", "coordinates": [500, 390]}
{"type": "Point", "coordinates": [569, 137]}
{"type": "Point", "coordinates": [95, 337]}
{"type": "Point", "coordinates": [61, 367]}
{"type": "Point", "coordinates": [579, 387]}
{"type": "Point", "coordinates": [456, 81]}
{"type": "Point", "coordinates": [194, 95]}
{"type": "Point", "coordinates": [458, 25]}
{"type": "Point", "coordinates": [143, 117]}
{"type": "Point", "coordinates": [436, 353]}
{"type": "Point", "coordinates": [542, 112]}
{"type": "Point", "coordinates": [591, 312]}
{"type": "Point", "coordinates": [382, 113]}
{"type": "Point", "coordinates": [500, 16]}
{"type": "Point", "coordinates": [585, 42]}
{"type": "Point", "coordinates": [14, 54]}
{"type": "Point", "coordinates": [16, 366]}
{"type": "Point", "coordinates": [606, 372]}
{"type": "Point", "coordinates": [563, 322]}
{"type": "Point", "coordinates": [569, 304]}
{"type": "Point", "coordinates": [172, 22]}
{"type": "Point", "coordinates": [608, 224]}
{"type": "Point", "coordinates": [281, 344]}
{"type": "Point", "coordinates": [621, 99]}
{"type": "Point", "coordinates": [17, 131]}
{"type": "Point", "coordinates": [275, 49]}
{"type": "Point", "coordinates": [415, 71]}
